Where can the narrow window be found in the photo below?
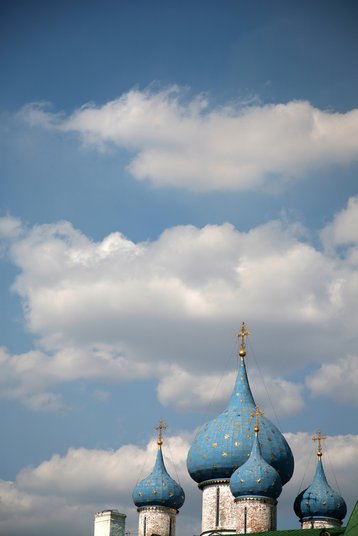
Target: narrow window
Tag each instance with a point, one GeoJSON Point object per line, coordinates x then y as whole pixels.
{"type": "Point", "coordinates": [217, 506]}
{"type": "Point", "coordinates": [145, 526]}
{"type": "Point", "coordinates": [170, 527]}
{"type": "Point", "coordinates": [245, 520]}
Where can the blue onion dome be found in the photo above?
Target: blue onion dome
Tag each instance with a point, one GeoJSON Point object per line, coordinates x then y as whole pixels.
{"type": "Point", "coordinates": [319, 499]}
{"type": "Point", "coordinates": [256, 478]}
{"type": "Point", "coordinates": [159, 489]}
{"type": "Point", "coordinates": [224, 444]}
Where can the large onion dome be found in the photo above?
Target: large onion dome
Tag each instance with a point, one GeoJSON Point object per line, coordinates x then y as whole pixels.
{"type": "Point", "coordinates": [223, 444]}
{"type": "Point", "coordinates": [319, 500]}
{"type": "Point", "coordinates": [256, 478]}
{"type": "Point", "coordinates": [159, 489]}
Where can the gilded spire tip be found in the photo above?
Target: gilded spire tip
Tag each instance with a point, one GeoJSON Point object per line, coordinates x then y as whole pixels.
{"type": "Point", "coordinates": [244, 332]}
{"type": "Point", "coordinates": [319, 437]}
{"type": "Point", "coordinates": [161, 426]}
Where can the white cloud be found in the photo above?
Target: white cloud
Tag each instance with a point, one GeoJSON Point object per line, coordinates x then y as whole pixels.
{"type": "Point", "coordinates": [207, 392]}
{"type": "Point", "coordinates": [27, 376]}
{"type": "Point", "coordinates": [189, 144]}
{"type": "Point", "coordinates": [115, 310]}
{"type": "Point", "coordinates": [64, 492]}
{"type": "Point", "coordinates": [343, 232]}
{"type": "Point", "coordinates": [10, 227]}
{"type": "Point", "coordinates": [344, 227]}
{"type": "Point", "coordinates": [338, 381]}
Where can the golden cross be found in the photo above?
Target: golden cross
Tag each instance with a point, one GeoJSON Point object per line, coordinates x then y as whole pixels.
{"type": "Point", "coordinates": [319, 438]}
{"type": "Point", "coordinates": [162, 426]}
{"type": "Point", "coordinates": [256, 414]}
{"type": "Point", "coordinates": [242, 334]}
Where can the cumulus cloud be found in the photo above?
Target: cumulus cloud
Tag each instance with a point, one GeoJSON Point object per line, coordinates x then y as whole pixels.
{"type": "Point", "coordinates": [342, 233]}
{"type": "Point", "coordinates": [208, 392]}
{"type": "Point", "coordinates": [26, 377]}
{"type": "Point", "coordinates": [116, 310]}
{"type": "Point", "coordinates": [10, 227]}
{"type": "Point", "coordinates": [64, 492]}
{"type": "Point", "coordinates": [178, 141]}
{"type": "Point", "coordinates": [338, 381]}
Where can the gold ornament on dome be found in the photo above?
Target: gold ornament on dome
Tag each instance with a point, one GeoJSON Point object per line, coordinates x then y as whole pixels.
{"type": "Point", "coordinates": [241, 335]}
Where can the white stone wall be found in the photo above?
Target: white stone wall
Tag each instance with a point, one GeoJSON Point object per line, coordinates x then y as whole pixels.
{"type": "Point", "coordinates": [255, 515]}
{"type": "Point", "coordinates": [323, 523]}
{"type": "Point", "coordinates": [156, 520]}
{"type": "Point", "coordinates": [109, 523]}
{"type": "Point", "coordinates": [218, 511]}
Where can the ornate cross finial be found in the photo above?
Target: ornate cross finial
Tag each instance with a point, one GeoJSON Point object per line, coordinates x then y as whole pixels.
{"type": "Point", "coordinates": [256, 415]}
{"type": "Point", "coordinates": [319, 438]}
{"type": "Point", "coordinates": [161, 426]}
{"type": "Point", "coordinates": [242, 334]}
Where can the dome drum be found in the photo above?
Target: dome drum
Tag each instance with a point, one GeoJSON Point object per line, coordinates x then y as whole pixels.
{"type": "Point", "coordinates": [320, 523]}
{"type": "Point", "coordinates": [156, 509]}
{"type": "Point", "coordinates": [213, 482]}
{"type": "Point", "coordinates": [255, 514]}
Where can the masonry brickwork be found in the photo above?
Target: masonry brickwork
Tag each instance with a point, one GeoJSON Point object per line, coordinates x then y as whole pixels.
{"type": "Point", "coordinates": [218, 512]}
{"type": "Point", "coordinates": [109, 523]}
{"type": "Point", "coordinates": [323, 523]}
{"type": "Point", "coordinates": [156, 520]}
{"type": "Point", "coordinates": [254, 514]}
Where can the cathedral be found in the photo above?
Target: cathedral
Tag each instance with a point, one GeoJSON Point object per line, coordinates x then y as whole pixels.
{"type": "Point", "coordinates": [240, 461]}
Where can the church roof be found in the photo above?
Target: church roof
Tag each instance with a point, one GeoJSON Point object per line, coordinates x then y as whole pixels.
{"type": "Point", "coordinates": [352, 525]}
{"type": "Point", "coordinates": [319, 499]}
{"type": "Point", "coordinates": [256, 478]}
{"type": "Point", "coordinates": [337, 531]}
{"type": "Point", "coordinates": [159, 489]}
{"type": "Point", "coordinates": [225, 443]}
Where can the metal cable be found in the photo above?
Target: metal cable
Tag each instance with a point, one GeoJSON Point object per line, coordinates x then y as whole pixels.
{"type": "Point", "coordinates": [264, 384]}
{"type": "Point", "coordinates": [306, 466]}
{"type": "Point", "coordinates": [172, 460]}
{"type": "Point", "coordinates": [226, 369]}
{"type": "Point", "coordinates": [144, 463]}
{"type": "Point", "coordinates": [332, 471]}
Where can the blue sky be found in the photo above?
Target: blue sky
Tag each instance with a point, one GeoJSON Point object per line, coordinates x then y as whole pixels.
{"type": "Point", "coordinates": [169, 169]}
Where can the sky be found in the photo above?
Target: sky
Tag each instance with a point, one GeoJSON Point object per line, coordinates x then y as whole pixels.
{"type": "Point", "coordinates": [169, 170]}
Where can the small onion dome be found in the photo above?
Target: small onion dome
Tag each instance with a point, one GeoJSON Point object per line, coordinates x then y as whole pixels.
{"type": "Point", "coordinates": [319, 499]}
{"type": "Point", "coordinates": [159, 489]}
{"type": "Point", "coordinates": [224, 444]}
{"type": "Point", "coordinates": [256, 478]}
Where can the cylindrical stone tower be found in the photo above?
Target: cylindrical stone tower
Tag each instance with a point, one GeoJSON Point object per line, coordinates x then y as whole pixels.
{"type": "Point", "coordinates": [218, 507]}
{"type": "Point", "coordinates": [255, 514]}
{"type": "Point", "coordinates": [158, 498]}
{"type": "Point", "coordinates": [156, 520]}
